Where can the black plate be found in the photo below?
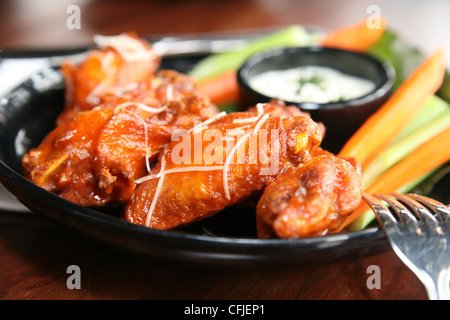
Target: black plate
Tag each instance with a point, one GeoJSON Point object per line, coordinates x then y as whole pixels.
{"type": "Point", "coordinates": [28, 113]}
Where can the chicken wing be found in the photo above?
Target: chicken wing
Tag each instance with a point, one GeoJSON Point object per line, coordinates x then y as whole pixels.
{"type": "Point", "coordinates": [95, 158]}
{"type": "Point", "coordinates": [115, 67]}
{"type": "Point", "coordinates": [220, 163]}
{"type": "Point", "coordinates": [311, 199]}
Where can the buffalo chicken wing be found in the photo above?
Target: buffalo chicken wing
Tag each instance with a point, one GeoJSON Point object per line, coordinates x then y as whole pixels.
{"type": "Point", "coordinates": [95, 158]}
{"type": "Point", "coordinates": [220, 163]}
{"type": "Point", "coordinates": [114, 67]}
{"type": "Point", "coordinates": [311, 199]}
{"type": "Point", "coordinates": [133, 134]}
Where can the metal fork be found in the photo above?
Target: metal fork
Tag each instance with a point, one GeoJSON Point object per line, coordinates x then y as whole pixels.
{"type": "Point", "coordinates": [418, 229]}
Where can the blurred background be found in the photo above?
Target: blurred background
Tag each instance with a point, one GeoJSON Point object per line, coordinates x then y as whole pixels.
{"type": "Point", "coordinates": [30, 24]}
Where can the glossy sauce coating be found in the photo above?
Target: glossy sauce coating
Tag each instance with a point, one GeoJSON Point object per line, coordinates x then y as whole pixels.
{"type": "Point", "coordinates": [105, 73]}
{"type": "Point", "coordinates": [95, 158]}
{"type": "Point", "coordinates": [135, 135]}
{"type": "Point", "coordinates": [311, 199]}
{"type": "Point", "coordinates": [175, 199]}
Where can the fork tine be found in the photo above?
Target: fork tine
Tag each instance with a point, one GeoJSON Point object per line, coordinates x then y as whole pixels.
{"type": "Point", "coordinates": [382, 213]}
{"type": "Point", "coordinates": [403, 213]}
{"type": "Point", "coordinates": [422, 212]}
{"type": "Point", "coordinates": [420, 242]}
{"type": "Point", "coordinates": [439, 208]}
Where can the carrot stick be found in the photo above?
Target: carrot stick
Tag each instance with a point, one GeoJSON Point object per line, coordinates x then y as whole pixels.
{"type": "Point", "coordinates": [385, 124]}
{"type": "Point", "coordinates": [220, 89]}
{"type": "Point", "coordinates": [356, 37]}
{"type": "Point", "coordinates": [426, 157]}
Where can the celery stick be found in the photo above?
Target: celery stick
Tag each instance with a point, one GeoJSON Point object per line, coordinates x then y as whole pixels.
{"type": "Point", "coordinates": [431, 119]}
{"type": "Point", "coordinates": [367, 217]}
{"type": "Point", "coordinates": [218, 63]}
{"type": "Point", "coordinates": [399, 150]}
{"type": "Point", "coordinates": [433, 108]}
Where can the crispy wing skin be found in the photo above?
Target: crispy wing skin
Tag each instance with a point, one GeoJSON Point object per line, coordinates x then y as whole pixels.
{"type": "Point", "coordinates": [120, 112]}
{"type": "Point", "coordinates": [276, 106]}
{"type": "Point", "coordinates": [114, 68]}
{"type": "Point", "coordinates": [63, 162]}
{"type": "Point", "coordinates": [94, 159]}
{"type": "Point", "coordinates": [220, 164]}
{"type": "Point", "coordinates": [127, 144]}
{"type": "Point", "coordinates": [311, 199]}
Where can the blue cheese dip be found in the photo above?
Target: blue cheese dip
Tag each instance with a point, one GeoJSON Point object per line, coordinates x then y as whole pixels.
{"type": "Point", "coordinates": [314, 84]}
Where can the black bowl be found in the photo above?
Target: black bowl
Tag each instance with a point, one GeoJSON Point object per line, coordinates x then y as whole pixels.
{"type": "Point", "coordinates": [340, 118]}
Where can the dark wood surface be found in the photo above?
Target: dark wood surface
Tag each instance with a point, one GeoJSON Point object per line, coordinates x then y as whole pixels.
{"type": "Point", "coordinates": [35, 253]}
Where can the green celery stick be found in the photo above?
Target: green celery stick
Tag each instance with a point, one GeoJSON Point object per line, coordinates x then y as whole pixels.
{"type": "Point", "coordinates": [218, 63]}
{"type": "Point", "coordinates": [367, 217]}
{"type": "Point", "coordinates": [400, 149]}
{"type": "Point", "coordinates": [431, 119]}
{"type": "Point", "coordinates": [433, 108]}
{"type": "Point", "coordinates": [435, 116]}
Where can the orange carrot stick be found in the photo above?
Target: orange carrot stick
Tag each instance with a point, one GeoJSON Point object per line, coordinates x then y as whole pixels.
{"type": "Point", "coordinates": [383, 126]}
{"type": "Point", "coordinates": [220, 89]}
{"type": "Point", "coordinates": [355, 37]}
{"type": "Point", "coordinates": [425, 158]}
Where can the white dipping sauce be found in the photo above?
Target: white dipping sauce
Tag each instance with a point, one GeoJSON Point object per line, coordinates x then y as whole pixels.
{"type": "Point", "coordinates": [313, 84]}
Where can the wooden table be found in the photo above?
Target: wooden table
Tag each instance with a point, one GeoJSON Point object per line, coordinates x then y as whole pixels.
{"type": "Point", "coordinates": [35, 253]}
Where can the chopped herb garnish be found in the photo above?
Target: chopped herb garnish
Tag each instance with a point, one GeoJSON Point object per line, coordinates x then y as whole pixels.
{"type": "Point", "coordinates": [315, 79]}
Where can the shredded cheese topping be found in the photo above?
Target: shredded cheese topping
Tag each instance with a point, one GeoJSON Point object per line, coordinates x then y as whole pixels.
{"type": "Point", "coordinates": [106, 62]}
{"type": "Point", "coordinates": [210, 120]}
{"type": "Point", "coordinates": [144, 123]}
{"type": "Point", "coordinates": [246, 120]}
{"type": "Point", "coordinates": [92, 97]}
{"type": "Point", "coordinates": [227, 164]}
{"type": "Point", "coordinates": [163, 172]}
{"type": "Point", "coordinates": [260, 123]}
{"type": "Point", "coordinates": [131, 49]}
{"type": "Point", "coordinates": [225, 168]}
{"type": "Point", "coordinates": [147, 156]}
{"type": "Point", "coordinates": [235, 132]}
{"type": "Point", "coordinates": [174, 170]}
{"type": "Point", "coordinates": [233, 151]}
{"type": "Point", "coordinates": [104, 87]}
{"type": "Point", "coordinates": [157, 192]}
{"type": "Point", "coordinates": [169, 92]}
{"type": "Point", "coordinates": [119, 91]}
{"type": "Point", "coordinates": [142, 106]}
{"type": "Point", "coordinates": [260, 108]}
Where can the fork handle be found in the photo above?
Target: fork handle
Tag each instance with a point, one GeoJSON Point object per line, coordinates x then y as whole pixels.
{"type": "Point", "coordinates": [443, 284]}
{"type": "Point", "coordinates": [437, 286]}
